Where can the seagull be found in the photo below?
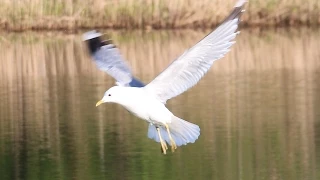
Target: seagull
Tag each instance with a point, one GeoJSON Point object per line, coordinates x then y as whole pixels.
{"type": "Point", "coordinates": [148, 101]}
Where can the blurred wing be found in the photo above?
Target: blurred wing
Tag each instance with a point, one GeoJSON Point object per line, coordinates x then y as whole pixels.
{"type": "Point", "coordinates": [108, 59]}
{"type": "Point", "coordinates": [189, 68]}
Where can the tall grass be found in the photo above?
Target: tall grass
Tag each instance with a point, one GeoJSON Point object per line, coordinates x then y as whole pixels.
{"type": "Point", "coordinates": [71, 15]}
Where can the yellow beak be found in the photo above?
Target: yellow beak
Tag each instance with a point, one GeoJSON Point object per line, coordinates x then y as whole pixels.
{"type": "Point", "coordinates": [99, 102]}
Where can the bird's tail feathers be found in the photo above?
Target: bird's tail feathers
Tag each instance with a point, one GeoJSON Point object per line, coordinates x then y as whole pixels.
{"type": "Point", "coordinates": [183, 132]}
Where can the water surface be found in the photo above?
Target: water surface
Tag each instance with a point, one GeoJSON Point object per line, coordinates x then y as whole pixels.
{"type": "Point", "coordinates": [258, 109]}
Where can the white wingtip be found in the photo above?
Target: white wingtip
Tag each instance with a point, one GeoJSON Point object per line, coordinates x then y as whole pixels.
{"type": "Point", "coordinates": [90, 35]}
{"type": "Point", "coordinates": [240, 3]}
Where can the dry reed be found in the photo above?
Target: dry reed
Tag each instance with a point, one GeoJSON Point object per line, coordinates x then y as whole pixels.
{"type": "Point", "coordinates": [72, 15]}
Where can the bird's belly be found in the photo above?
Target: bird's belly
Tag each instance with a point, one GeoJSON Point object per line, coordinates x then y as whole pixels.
{"type": "Point", "coordinates": [138, 111]}
{"type": "Point", "coordinates": [153, 112]}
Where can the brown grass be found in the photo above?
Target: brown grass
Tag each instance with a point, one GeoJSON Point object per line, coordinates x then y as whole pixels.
{"type": "Point", "coordinates": [72, 15]}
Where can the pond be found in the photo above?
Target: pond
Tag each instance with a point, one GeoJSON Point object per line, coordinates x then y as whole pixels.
{"type": "Point", "coordinates": [258, 109]}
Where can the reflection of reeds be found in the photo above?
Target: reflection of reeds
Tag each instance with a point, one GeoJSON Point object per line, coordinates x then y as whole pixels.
{"type": "Point", "coordinates": [257, 109]}
{"type": "Point", "coordinates": [72, 15]}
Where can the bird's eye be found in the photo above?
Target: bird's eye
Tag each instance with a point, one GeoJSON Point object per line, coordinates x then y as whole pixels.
{"type": "Point", "coordinates": [109, 94]}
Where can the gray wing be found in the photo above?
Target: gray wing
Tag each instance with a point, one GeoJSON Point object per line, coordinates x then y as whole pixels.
{"type": "Point", "coordinates": [108, 59]}
{"type": "Point", "coordinates": [190, 67]}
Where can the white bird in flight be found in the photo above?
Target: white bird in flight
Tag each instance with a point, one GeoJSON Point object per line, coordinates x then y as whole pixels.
{"type": "Point", "coordinates": [148, 101]}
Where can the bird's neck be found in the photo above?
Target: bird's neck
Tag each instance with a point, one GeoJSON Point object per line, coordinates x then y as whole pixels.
{"type": "Point", "coordinates": [128, 96]}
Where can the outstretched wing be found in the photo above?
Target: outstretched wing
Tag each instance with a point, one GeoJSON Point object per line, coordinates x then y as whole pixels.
{"type": "Point", "coordinates": [190, 67]}
{"type": "Point", "coordinates": [108, 59]}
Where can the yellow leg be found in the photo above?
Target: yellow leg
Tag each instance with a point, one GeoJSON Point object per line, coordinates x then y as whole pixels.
{"type": "Point", "coordinates": [162, 142]}
{"type": "Point", "coordinates": [173, 143]}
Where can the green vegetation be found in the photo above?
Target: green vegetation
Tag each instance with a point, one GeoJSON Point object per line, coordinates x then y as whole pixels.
{"type": "Point", "coordinates": [71, 15]}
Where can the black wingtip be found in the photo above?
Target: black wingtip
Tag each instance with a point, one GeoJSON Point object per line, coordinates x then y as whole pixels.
{"type": "Point", "coordinates": [237, 11]}
{"type": "Point", "coordinates": [94, 41]}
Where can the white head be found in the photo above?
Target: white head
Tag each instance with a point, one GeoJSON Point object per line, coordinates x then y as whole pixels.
{"type": "Point", "coordinates": [113, 95]}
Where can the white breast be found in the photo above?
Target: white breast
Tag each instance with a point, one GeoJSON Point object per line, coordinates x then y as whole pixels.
{"type": "Point", "coordinates": [147, 107]}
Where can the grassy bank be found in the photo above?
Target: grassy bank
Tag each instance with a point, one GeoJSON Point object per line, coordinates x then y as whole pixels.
{"type": "Point", "coordinates": [71, 15]}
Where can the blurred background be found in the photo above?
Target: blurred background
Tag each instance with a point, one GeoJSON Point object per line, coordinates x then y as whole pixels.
{"type": "Point", "coordinates": [258, 107]}
{"type": "Point", "coordinates": [151, 14]}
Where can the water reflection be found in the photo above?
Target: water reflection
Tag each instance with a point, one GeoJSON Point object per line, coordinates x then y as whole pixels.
{"type": "Point", "coordinates": [258, 109]}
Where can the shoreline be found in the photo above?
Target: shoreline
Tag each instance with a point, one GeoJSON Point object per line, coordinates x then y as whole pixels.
{"type": "Point", "coordinates": [74, 29]}
{"type": "Point", "coordinates": [71, 15]}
